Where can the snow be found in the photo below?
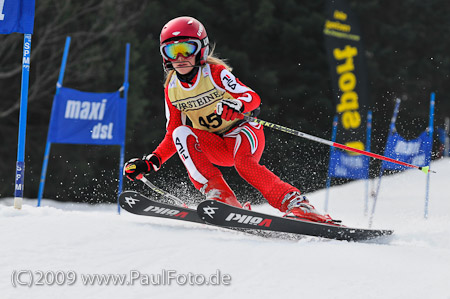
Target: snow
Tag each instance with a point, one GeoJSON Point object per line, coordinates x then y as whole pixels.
{"type": "Point", "coordinates": [86, 239]}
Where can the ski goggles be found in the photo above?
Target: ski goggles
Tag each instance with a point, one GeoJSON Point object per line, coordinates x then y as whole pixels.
{"type": "Point", "coordinates": [186, 48]}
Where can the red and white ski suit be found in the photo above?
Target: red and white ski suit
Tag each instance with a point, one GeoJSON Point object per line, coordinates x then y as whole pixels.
{"type": "Point", "coordinates": [211, 140]}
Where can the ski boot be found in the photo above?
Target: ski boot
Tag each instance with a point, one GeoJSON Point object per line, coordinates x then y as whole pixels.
{"type": "Point", "coordinates": [297, 206]}
{"type": "Point", "coordinates": [217, 189]}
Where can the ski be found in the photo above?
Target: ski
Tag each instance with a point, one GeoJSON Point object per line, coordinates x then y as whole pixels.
{"type": "Point", "coordinates": [139, 204]}
{"type": "Point", "coordinates": [136, 203]}
{"type": "Point", "coordinates": [224, 215]}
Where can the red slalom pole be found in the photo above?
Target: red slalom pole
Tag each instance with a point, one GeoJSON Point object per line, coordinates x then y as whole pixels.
{"type": "Point", "coordinates": [424, 169]}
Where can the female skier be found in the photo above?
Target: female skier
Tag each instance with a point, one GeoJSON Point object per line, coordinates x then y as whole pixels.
{"type": "Point", "coordinates": [202, 88]}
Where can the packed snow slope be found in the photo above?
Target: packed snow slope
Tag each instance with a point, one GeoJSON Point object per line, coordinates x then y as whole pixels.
{"type": "Point", "coordinates": [76, 240]}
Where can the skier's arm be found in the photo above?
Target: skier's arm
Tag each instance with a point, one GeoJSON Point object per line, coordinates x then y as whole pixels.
{"type": "Point", "coordinates": [245, 99]}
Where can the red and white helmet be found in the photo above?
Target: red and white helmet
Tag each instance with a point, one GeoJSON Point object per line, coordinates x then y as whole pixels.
{"type": "Point", "coordinates": [185, 28]}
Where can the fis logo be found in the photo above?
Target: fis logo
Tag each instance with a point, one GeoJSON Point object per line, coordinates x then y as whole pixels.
{"type": "Point", "coordinates": [247, 219]}
{"type": "Point", "coordinates": [166, 211]}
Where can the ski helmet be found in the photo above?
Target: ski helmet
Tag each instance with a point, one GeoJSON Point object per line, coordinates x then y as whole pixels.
{"type": "Point", "coordinates": [184, 28]}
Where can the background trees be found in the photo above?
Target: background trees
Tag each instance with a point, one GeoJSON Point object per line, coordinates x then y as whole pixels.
{"type": "Point", "coordinates": [275, 47]}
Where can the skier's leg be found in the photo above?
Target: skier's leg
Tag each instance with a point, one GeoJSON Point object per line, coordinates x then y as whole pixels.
{"type": "Point", "coordinates": [203, 174]}
{"type": "Point", "coordinates": [249, 146]}
{"type": "Point", "coordinates": [279, 194]}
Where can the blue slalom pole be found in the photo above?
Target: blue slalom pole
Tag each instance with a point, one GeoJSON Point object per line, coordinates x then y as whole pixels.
{"type": "Point", "coordinates": [121, 162]}
{"type": "Point", "coordinates": [122, 147]}
{"type": "Point", "coordinates": [430, 139]}
{"type": "Point", "coordinates": [20, 163]}
{"type": "Point", "coordinates": [368, 138]}
{"type": "Point", "coordinates": [391, 130]}
{"type": "Point", "coordinates": [447, 138]}
{"type": "Point", "coordinates": [48, 144]}
{"type": "Point", "coordinates": [333, 138]}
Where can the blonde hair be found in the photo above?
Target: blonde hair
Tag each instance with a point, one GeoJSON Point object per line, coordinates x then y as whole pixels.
{"type": "Point", "coordinates": [211, 59]}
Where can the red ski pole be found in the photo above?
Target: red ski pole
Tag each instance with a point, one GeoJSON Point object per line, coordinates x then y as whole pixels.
{"type": "Point", "coordinates": [424, 169]}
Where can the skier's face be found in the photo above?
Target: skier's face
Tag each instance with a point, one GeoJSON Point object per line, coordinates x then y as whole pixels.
{"type": "Point", "coordinates": [183, 65]}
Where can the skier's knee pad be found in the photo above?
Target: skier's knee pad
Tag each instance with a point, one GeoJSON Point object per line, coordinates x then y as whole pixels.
{"type": "Point", "coordinates": [182, 132]}
{"type": "Point", "coordinates": [185, 141]}
{"type": "Point", "coordinates": [180, 137]}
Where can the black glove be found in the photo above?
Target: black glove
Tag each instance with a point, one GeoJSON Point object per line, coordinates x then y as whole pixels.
{"type": "Point", "coordinates": [136, 168]}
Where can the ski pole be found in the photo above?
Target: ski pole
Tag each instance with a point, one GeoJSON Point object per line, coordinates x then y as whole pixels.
{"type": "Point", "coordinates": [424, 169]}
{"type": "Point", "coordinates": [162, 192]}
